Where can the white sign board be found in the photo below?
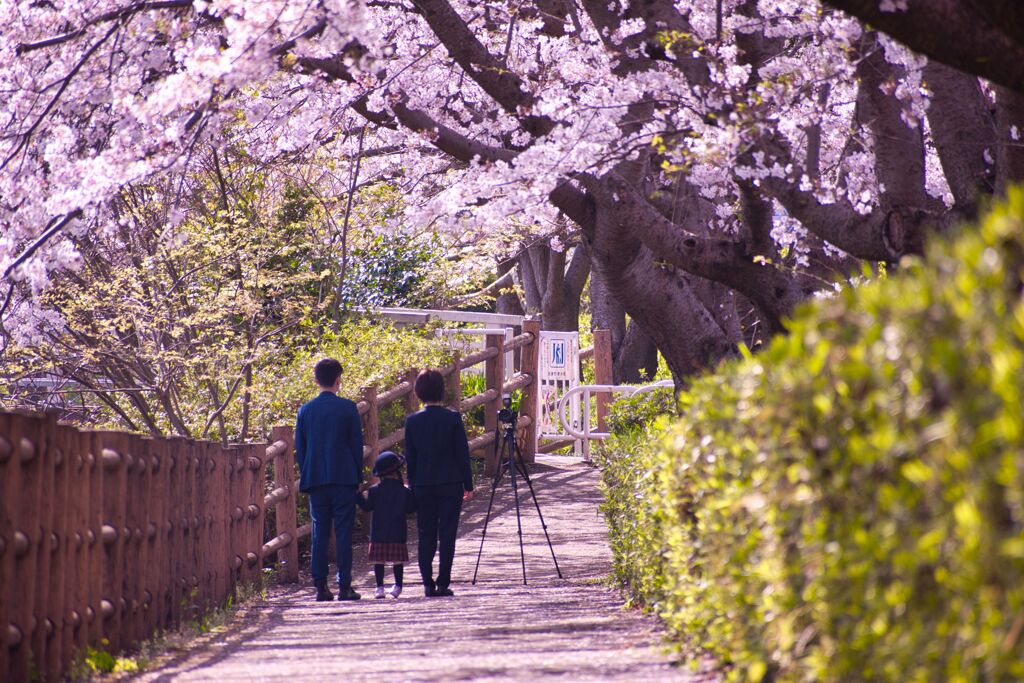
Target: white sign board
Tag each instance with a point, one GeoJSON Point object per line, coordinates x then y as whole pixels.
{"type": "Point", "coordinates": [560, 353]}
{"type": "Point", "coordinates": [559, 372]}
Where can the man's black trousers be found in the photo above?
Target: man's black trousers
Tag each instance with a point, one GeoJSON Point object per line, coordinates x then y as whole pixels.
{"type": "Point", "coordinates": [437, 518]}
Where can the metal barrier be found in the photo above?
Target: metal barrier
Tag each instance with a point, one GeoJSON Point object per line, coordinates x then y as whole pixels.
{"type": "Point", "coordinates": [586, 434]}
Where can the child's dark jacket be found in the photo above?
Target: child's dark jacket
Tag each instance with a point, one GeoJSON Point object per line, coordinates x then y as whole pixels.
{"type": "Point", "coordinates": [390, 502]}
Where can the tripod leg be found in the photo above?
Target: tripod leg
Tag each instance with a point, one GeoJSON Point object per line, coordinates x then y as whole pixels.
{"type": "Point", "coordinates": [487, 517]}
{"type": "Point", "coordinates": [511, 443]}
{"type": "Point", "coordinates": [521, 466]}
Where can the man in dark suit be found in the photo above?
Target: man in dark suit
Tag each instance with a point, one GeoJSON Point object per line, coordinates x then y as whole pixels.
{"type": "Point", "coordinates": [437, 455]}
{"type": "Point", "coordinates": [329, 450]}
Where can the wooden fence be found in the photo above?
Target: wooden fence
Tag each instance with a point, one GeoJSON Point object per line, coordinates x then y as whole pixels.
{"type": "Point", "coordinates": [108, 537]}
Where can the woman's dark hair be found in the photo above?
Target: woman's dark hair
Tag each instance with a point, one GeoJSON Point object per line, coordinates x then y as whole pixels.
{"type": "Point", "coordinates": [430, 386]}
{"type": "Point", "coordinates": [327, 372]}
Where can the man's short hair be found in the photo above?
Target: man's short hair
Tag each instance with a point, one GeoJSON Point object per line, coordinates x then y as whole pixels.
{"type": "Point", "coordinates": [327, 372]}
{"type": "Point", "coordinates": [429, 386]}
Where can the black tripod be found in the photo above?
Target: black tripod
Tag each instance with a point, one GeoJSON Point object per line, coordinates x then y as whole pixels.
{"type": "Point", "coordinates": [510, 458]}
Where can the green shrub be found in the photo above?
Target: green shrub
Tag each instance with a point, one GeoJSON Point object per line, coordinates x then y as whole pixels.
{"type": "Point", "coordinates": [849, 504]}
{"type": "Point", "coordinates": [639, 411]}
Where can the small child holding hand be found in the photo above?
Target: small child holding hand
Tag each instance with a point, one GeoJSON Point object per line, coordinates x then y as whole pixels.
{"type": "Point", "coordinates": [390, 501]}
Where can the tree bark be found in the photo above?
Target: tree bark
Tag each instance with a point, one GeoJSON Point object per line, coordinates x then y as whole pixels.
{"type": "Point", "coordinates": [636, 358]}
{"type": "Point", "coordinates": [1009, 137]}
{"type": "Point", "coordinates": [980, 37]}
{"type": "Point", "coordinates": [656, 297]}
{"type": "Point", "coordinates": [962, 129]}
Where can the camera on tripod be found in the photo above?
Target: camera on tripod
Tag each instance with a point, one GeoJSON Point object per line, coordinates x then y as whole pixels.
{"type": "Point", "coordinates": [506, 415]}
{"type": "Point", "coordinates": [510, 462]}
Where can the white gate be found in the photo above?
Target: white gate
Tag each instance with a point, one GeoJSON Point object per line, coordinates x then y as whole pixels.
{"type": "Point", "coordinates": [583, 428]}
{"type": "Point", "coordinates": [559, 373]}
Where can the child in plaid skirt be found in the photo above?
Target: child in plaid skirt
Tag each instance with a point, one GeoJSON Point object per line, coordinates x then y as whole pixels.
{"type": "Point", "coordinates": [390, 501]}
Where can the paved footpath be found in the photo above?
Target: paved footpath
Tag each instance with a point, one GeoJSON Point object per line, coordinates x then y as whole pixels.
{"type": "Point", "coordinates": [572, 629]}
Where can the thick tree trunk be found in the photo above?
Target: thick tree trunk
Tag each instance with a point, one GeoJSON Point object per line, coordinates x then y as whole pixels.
{"type": "Point", "coordinates": [634, 355]}
{"type": "Point", "coordinates": [981, 37]}
{"type": "Point", "coordinates": [658, 298]}
{"type": "Point", "coordinates": [636, 359]}
{"type": "Point", "coordinates": [962, 129]}
{"type": "Point", "coordinates": [507, 300]}
{"type": "Point", "coordinates": [553, 288]}
{"type": "Point", "coordinates": [1009, 155]}
{"type": "Point", "coordinates": [533, 272]}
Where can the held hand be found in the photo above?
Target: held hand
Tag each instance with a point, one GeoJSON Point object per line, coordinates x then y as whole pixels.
{"type": "Point", "coordinates": [467, 496]}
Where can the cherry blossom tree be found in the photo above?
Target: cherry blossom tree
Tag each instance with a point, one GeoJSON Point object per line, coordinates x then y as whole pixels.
{"type": "Point", "coordinates": [981, 37]}
{"type": "Point", "coordinates": [714, 162]}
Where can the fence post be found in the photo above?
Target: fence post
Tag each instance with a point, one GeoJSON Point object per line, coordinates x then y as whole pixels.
{"type": "Point", "coordinates": [160, 581]}
{"type": "Point", "coordinates": [453, 387]}
{"type": "Point", "coordinates": [236, 516]}
{"type": "Point", "coordinates": [177, 542]}
{"type": "Point", "coordinates": [224, 557]}
{"type": "Point", "coordinates": [371, 446]}
{"type": "Point", "coordinates": [529, 364]}
{"type": "Point", "coordinates": [190, 528]}
{"type": "Point", "coordinates": [58, 547]}
{"type": "Point", "coordinates": [21, 495]}
{"type": "Point", "coordinates": [215, 524]}
{"type": "Point", "coordinates": [10, 485]}
{"type": "Point", "coordinates": [495, 375]}
{"type": "Point", "coordinates": [603, 374]}
{"type": "Point", "coordinates": [200, 526]}
{"type": "Point", "coordinates": [95, 548]}
{"type": "Point", "coordinates": [371, 426]}
{"type": "Point", "coordinates": [412, 403]}
{"type": "Point", "coordinates": [44, 528]}
{"type": "Point", "coordinates": [137, 523]}
{"type": "Point", "coordinates": [77, 582]}
{"type": "Point", "coordinates": [112, 458]}
{"type": "Point", "coordinates": [255, 513]}
{"type": "Point", "coordinates": [287, 510]}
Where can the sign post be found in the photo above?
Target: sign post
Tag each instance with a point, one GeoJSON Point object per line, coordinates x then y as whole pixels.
{"type": "Point", "coordinates": [559, 372]}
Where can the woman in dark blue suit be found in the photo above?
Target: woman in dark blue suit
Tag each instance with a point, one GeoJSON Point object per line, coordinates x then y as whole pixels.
{"type": "Point", "coordinates": [437, 457]}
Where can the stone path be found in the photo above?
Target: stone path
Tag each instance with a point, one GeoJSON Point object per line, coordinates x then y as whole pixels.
{"type": "Point", "coordinates": [574, 628]}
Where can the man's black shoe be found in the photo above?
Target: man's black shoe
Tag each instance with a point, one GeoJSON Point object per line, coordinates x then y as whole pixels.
{"type": "Point", "coordinates": [322, 592]}
{"type": "Point", "coordinates": [348, 594]}
{"type": "Point", "coordinates": [441, 593]}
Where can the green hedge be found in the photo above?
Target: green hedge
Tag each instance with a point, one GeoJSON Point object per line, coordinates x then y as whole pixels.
{"type": "Point", "coordinates": [848, 505]}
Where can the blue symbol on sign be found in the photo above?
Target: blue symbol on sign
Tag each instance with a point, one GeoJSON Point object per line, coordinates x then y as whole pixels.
{"type": "Point", "coordinates": [558, 354]}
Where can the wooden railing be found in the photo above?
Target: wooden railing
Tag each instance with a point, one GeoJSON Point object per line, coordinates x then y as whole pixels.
{"type": "Point", "coordinates": [108, 537]}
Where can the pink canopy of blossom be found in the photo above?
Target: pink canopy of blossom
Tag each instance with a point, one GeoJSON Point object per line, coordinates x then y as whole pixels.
{"type": "Point", "coordinates": [493, 115]}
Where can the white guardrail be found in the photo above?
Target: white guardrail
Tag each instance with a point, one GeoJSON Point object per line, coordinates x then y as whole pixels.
{"type": "Point", "coordinates": [586, 434]}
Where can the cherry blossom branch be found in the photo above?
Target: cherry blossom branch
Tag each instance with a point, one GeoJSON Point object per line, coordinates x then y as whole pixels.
{"type": "Point", "coordinates": [489, 71]}
{"type": "Point", "coordinates": [7, 301]}
{"type": "Point", "coordinates": [316, 29]}
{"type": "Point", "coordinates": [718, 259]}
{"type": "Point", "coordinates": [505, 281]}
{"type": "Point", "coordinates": [447, 139]}
{"type": "Point", "coordinates": [981, 37]}
{"type": "Point", "coordinates": [65, 82]}
{"type": "Point", "coordinates": [113, 15]}
{"type": "Point", "coordinates": [55, 226]}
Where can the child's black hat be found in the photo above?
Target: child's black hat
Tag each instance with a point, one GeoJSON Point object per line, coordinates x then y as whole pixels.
{"type": "Point", "coordinates": [387, 462]}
